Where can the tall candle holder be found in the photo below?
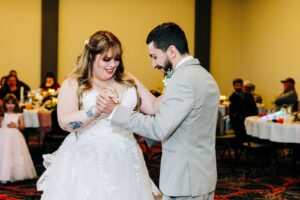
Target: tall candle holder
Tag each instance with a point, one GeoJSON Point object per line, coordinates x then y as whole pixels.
{"type": "Point", "coordinates": [21, 95]}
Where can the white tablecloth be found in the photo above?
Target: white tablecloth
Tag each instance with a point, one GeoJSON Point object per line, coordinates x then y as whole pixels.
{"type": "Point", "coordinates": [31, 118]}
{"type": "Point", "coordinates": [285, 133]}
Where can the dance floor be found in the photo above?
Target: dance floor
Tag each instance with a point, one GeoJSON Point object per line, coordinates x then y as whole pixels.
{"type": "Point", "coordinates": [261, 185]}
{"type": "Point", "coordinates": [231, 185]}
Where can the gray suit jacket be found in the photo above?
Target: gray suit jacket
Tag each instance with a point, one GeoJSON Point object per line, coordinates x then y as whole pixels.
{"type": "Point", "coordinates": [186, 125]}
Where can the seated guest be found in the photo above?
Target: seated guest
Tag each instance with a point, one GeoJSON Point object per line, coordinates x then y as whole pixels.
{"type": "Point", "coordinates": [1, 114]}
{"type": "Point", "coordinates": [50, 82]}
{"type": "Point", "coordinates": [288, 96]}
{"type": "Point", "coordinates": [20, 83]}
{"type": "Point", "coordinates": [250, 88]}
{"type": "Point", "coordinates": [12, 85]}
{"type": "Point", "coordinates": [241, 106]}
{"type": "Point", "coordinates": [2, 81]}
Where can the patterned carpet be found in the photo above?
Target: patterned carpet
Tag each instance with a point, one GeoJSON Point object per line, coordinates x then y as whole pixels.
{"type": "Point", "coordinates": [261, 185]}
{"type": "Point", "coordinates": [19, 190]}
{"type": "Point", "coordinates": [24, 190]}
{"type": "Point", "coordinates": [231, 185]}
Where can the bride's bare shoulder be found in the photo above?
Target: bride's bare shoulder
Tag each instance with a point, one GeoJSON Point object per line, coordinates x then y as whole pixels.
{"type": "Point", "coordinates": [70, 82]}
{"type": "Point", "coordinates": [68, 88]}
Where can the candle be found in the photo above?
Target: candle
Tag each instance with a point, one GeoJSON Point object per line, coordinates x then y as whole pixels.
{"type": "Point", "coordinates": [22, 94]}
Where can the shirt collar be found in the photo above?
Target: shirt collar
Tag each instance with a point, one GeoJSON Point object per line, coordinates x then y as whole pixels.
{"type": "Point", "coordinates": [183, 60]}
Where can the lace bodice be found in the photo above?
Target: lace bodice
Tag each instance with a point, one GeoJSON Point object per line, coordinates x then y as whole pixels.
{"type": "Point", "coordinates": [102, 124]}
{"type": "Point", "coordinates": [129, 98]}
{"type": "Point", "coordinates": [101, 162]}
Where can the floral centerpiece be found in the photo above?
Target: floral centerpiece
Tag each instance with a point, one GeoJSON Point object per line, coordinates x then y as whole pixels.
{"type": "Point", "coordinates": [51, 104]}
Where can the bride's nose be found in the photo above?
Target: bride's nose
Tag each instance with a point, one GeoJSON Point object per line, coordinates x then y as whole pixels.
{"type": "Point", "coordinates": [114, 63]}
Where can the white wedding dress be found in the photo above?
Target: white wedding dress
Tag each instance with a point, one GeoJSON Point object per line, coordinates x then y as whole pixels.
{"type": "Point", "coordinates": [101, 162]}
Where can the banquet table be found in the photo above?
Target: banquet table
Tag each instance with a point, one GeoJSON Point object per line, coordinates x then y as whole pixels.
{"type": "Point", "coordinates": [263, 129]}
{"type": "Point", "coordinates": [38, 119]}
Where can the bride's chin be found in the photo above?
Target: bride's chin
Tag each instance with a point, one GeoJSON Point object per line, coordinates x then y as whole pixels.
{"type": "Point", "coordinates": [105, 77]}
{"type": "Point", "coordinates": [110, 76]}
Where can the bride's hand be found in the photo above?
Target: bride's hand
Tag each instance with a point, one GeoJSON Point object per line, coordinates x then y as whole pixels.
{"type": "Point", "coordinates": [113, 94]}
{"type": "Point", "coordinates": [107, 101]}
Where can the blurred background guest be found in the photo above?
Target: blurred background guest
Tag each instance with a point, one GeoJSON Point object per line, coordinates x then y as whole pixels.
{"type": "Point", "coordinates": [49, 89]}
{"type": "Point", "coordinates": [249, 88]}
{"type": "Point", "coordinates": [20, 83]}
{"type": "Point", "coordinates": [50, 82]}
{"type": "Point", "coordinates": [288, 96]}
{"type": "Point", "coordinates": [241, 106]}
{"type": "Point", "coordinates": [1, 114]}
{"type": "Point", "coordinates": [12, 85]}
{"type": "Point", "coordinates": [2, 81]}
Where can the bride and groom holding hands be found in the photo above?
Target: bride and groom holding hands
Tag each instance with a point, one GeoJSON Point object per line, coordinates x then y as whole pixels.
{"type": "Point", "coordinates": [100, 159]}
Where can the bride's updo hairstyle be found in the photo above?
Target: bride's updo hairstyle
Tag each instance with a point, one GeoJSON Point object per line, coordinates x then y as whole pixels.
{"type": "Point", "coordinates": [99, 43]}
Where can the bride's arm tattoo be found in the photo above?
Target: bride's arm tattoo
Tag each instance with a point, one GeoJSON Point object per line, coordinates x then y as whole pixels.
{"type": "Point", "coordinates": [75, 124]}
{"type": "Point", "coordinates": [89, 113]}
{"type": "Point", "coordinates": [92, 112]}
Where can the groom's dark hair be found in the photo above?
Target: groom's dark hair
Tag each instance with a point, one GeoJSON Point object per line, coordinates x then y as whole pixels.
{"type": "Point", "coordinates": [168, 34]}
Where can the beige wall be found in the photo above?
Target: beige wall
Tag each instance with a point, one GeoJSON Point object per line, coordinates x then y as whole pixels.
{"type": "Point", "coordinates": [252, 39]}
{"type": "Point", "coordinates": [129, 20]}
{"type": "Point", "coordinates": [20, 39]}
{"type": "Point", "coordinates": [258, 41]}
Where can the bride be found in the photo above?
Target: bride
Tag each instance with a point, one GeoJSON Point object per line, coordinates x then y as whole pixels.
{"type": "Point", "coordinates": [97, 160]}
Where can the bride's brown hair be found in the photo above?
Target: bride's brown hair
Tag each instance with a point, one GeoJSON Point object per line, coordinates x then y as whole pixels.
{"type": "Point", "coordinates": [99, 43]}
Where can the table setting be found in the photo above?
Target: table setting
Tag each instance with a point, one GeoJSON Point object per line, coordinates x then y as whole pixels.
{"type": "Point", "coordinates": [281, 126]}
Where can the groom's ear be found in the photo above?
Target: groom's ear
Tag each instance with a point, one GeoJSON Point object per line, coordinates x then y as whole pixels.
{"type": "Point", "coordinates": [172, 51]}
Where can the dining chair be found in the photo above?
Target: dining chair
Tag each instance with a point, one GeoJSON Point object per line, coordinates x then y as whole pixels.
{"type": "Point", "coordinates": [295, 150]}
{"type": "Point", "coordinates": [225, 143]}
{"type": "Point", "coordinates": [55, 137]}
{"type": "Point", "coordinates": [259, 150]}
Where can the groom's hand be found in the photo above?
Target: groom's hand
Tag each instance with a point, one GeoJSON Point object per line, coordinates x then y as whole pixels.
{"type": "Point", "coordinates": [106, 101]}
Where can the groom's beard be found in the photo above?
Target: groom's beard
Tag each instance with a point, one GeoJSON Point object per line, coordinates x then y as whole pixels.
{"type": "Point", "coordinates": [167, 66]}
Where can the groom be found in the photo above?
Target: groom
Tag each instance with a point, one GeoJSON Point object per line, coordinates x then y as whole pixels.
{"type": "Point", "coordinates": [186, 119]}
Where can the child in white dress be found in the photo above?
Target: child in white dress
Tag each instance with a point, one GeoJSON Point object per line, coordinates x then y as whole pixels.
{"type": "Point", "coordinates": [15, 160]}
